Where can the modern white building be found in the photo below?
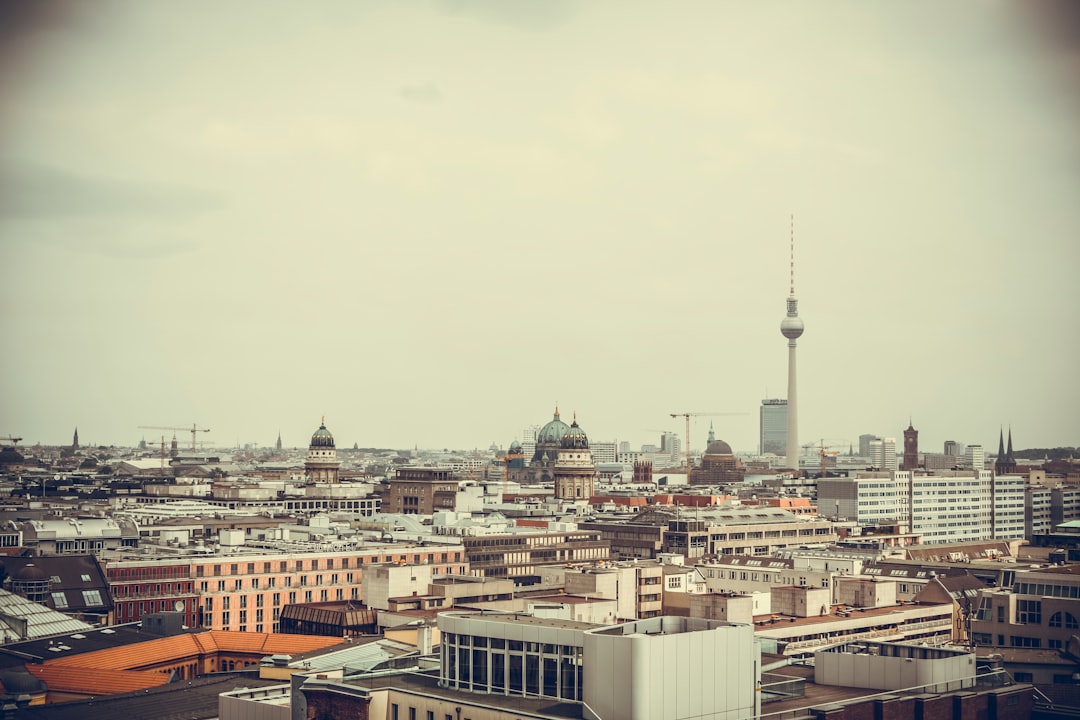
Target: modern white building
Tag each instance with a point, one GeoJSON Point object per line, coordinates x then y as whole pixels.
{"type": "Point", "coordinates": [672, 667]}
{"type": "Point", "coordinates": [947, 506]}
{"type": "Point", "coordinates": [663, 667]}
{"type": "Point", "coordinates": [974, 457]}
{"type": "Point", "coordinates": [883, 454]}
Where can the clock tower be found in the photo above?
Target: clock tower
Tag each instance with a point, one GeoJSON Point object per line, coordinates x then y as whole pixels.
{"type": "Point", "coordinates": [911, 448]}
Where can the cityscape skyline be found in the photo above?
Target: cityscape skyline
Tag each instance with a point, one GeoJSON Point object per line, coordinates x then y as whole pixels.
{"type": "Point", "coordinates": [356, 212]}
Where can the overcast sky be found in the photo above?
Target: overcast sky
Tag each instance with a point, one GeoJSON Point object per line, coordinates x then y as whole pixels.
{"type": "Point", "coordinates": [431, 221]}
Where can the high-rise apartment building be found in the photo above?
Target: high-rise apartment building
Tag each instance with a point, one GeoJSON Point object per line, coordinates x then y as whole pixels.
{"type": "Point", "coordinates": [883, 454]}
{"type": "Point", "coordinates": [772, 426]}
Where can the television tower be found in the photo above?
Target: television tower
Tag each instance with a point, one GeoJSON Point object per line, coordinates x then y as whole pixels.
{"type": "Point", "coordinates": [792, 328]}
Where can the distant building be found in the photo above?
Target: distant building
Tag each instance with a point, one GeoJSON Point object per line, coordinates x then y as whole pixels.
{"type": "Point", "coordinates": [864, 444]}
{"type": "Point", "coordinates": [911, 448]}
{"type": "Point", "coordinates": [574, 470]}
{"type": "Point", "coordinates": [719, 466]}
{"type": "Point", "coordinates": [772, 427]}
{"type": "Point", "coordinates": [322, 464]}
{"type": "Point", "coordinates": [883, 454]}
{"type": "Point", "coordinates": [1005, 463]}
{"type": "Point", "coordinates": [974, 457]}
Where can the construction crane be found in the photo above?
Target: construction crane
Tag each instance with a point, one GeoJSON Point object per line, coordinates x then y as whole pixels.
{"type": "Point", "coordinates": [824, 451]}
{"type": "Point", "coordinates": [686, 437]}
{"type": "Point", "coordinates": [193, 430]}
{"type": "Point", "coordinates": [13, 440]}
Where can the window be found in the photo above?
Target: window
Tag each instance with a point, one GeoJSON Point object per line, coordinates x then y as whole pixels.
{"type": "Point", "coordinates": [1029, 612]}
{"type": "Point", "coordinates": [59, 600]}
{"type": "Point", "coordinates": [1069, 622]}
{"type": "Point", "coordinates": [92, 597]}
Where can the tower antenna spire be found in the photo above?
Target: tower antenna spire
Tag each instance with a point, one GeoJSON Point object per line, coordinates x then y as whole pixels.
{"type": "Point", "coordinates": [793, 255]}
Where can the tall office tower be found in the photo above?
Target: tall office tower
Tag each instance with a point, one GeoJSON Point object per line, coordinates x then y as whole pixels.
{"type": "Point", "coordinates": [911, 448]}
{"type": "Point", "coordinates": [974, 457]}
{"type": "Point", "coordinates": [670, 446]}
{"type": "Point", "coordinates": [772, 437]}
{"type": "Point", "coordinates": [792, 328]}
{"type": "Point", "coordinates": [952, 448]}
{"type": "Point", "coordinates": [864, 444]}
{"type": "Point", "coordinates": [883, 454]}
{"type": "Point", "coordinates": [528, 440]}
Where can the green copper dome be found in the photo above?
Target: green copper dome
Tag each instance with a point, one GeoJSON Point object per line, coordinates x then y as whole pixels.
{"type": "Point", "coordinates": [322, 438]}
{"type": "Point", "coordinates": [553, 432]}
{"type": "Point", "coordinates": [575, 438]}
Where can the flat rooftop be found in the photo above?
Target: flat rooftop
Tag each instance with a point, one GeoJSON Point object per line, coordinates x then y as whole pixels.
{"type": "Point", "coordinates": [523, 619]}
{"type": "Point", "coordinates": [428, 685]}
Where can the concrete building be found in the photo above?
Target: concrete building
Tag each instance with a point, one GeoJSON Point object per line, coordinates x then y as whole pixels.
{"type": "Point", "coordinates": [772, 426]}
{"type": "Point", "coordinates": [948, 506]}
{"type": "Point", "coordinates": [974, 457]}
{"type": "Point", "coordinates": [661, 667]}
{"type": "Point", "coordinates": [521, 554]}
{"type": "Point", "coordinates": [427, 490]}
{"type": "Point", "coordinates": [883, 454]}
{"type": "Point", "coordinates": [1040, 609]}
{"type": "Point", "coordinates": [895, 666]}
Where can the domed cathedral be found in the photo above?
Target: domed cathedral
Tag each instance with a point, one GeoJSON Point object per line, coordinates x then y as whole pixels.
{"type": "Point", "coordinates": [540, 467]}
{"type": "Point", "coordinates": [322, 464]}
{"type": "Point", "coordinates": [575, 473]}
{"type": "Point", "coordinates": [719, 465]}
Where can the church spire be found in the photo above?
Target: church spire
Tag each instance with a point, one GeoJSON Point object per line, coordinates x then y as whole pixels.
{"type": "Point", "coordinates": [1009, 452]}
{"type": "Point", "coordinates": [1001, 442]}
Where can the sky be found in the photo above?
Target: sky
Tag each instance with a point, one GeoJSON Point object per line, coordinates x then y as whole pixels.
{"type": "Point", "coordinates": [431, 222]}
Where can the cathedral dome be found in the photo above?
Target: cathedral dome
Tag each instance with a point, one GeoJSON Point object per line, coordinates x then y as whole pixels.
{"type": "Point", "coordinates": [553, 432]}
{"type": "Point", "coordinates": [322, 438]}
{"type": "Point", "coordinates": [718, 447]}
{"type": "Point", "coordinates": [574, 439]}
{"type": "Point", "coordinates": [515, 448]}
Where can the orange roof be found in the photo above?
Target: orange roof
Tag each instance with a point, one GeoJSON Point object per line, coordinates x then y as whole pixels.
{"type": "Point", "coordinates": [91, 681]}
{"type": "Point", "coordinates": [168, 649]}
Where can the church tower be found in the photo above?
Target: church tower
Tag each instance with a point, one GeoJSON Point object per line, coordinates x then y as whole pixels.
{"type": "Point", "coordinates": [279, 441]}
{"type": "Point", "coordinates": [574, 469]}
{"type": "Point", "coordinates": [322, 464]}
{"type": "Point", "coordinates": [911, 448]}
{"type": "Point", "coordinates": [75, 441]}
{"type": "Point", "coordinates": [1005, 464]}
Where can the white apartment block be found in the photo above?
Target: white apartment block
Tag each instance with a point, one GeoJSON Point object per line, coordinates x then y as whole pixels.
{"type": "Point", "coordinates": [943, 507]}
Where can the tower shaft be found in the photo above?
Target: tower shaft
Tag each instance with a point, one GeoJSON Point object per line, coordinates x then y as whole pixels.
{"type": "Point", "coordinates": [792, 410]}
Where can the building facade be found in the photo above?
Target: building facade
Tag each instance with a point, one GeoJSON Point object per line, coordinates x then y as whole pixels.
{"type": "Point", "coordinates": [322, 464]}
{"type": "Point", "coordinates": [772, 426]}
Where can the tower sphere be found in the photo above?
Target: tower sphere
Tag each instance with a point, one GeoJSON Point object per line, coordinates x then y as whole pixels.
{"type": "Point", "coordinates": [791, 327]}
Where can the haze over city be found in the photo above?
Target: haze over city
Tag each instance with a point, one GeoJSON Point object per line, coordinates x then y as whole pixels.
{"type": "Point", "coordinates": [431, 222]}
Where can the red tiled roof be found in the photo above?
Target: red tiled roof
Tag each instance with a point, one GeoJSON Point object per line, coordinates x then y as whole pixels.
{"type": "Point", "coordinates": [92, 681]}
{"type": "Point", "coordinates": [168, 649]}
